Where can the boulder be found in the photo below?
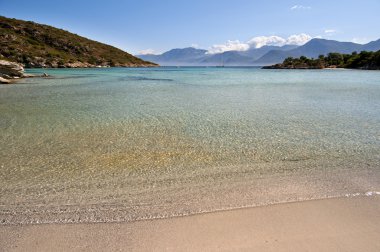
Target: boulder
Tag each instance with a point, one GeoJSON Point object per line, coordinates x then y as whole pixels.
{"type": "Point", "coordinates": [6, 76]}
{"type": "Point", "coordinates": [4, 81]}
{"type": "Point", "coordinates": [11, 69]}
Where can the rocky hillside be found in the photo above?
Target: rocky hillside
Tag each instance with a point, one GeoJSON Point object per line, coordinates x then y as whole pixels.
{"type": "Point", "coordinates": [36, 45]}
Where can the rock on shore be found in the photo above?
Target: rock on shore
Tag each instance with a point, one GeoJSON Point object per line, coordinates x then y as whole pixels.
{"type": "Point", "coordinates": [4, 81]}
{"type": "Point", "coordinates": [11, 70]}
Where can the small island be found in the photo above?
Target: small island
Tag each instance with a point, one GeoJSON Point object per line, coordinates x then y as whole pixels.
{"type": "Point", "coordinates": [363, 60]}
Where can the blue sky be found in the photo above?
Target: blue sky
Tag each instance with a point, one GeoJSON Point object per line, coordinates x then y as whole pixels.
{"type": "Point", "coordinates": [215, 25]}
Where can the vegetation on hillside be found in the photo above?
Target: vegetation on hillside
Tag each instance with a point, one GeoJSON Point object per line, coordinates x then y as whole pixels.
{"type": "Point", "coordinates": [363, 60]}
{"type": "Point", "coordinates": [36, 45]}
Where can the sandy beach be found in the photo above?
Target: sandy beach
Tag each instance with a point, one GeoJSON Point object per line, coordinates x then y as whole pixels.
{"type": "Point", "coordinates": [339, 224]}
{"type": "Point", "coordinates": [189, 126]}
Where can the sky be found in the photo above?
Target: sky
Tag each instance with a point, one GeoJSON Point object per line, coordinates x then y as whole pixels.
{"type": "Point", "coordinates": [142, 26]}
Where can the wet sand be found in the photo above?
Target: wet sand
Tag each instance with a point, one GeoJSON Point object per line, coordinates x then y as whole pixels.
{"type": "Point", "coordinates": [339, 224]}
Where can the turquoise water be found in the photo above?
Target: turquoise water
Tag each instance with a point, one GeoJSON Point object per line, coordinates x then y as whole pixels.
{"type": "Point", "coordinates": [120, 144]}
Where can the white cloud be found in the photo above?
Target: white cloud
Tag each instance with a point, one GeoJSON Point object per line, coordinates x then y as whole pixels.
{"type": "Point", "coordinates": [146, 51]}
{"type": "Point", "coordinates": [330, 31]}
{"type": "Point", "coordinates": [260, 41]}
{"type": "Point", "coordinates": [231, 45]}
{"type": "Point", "coordinates": [361, 40]}
{"type": "Point", "coordinates": [194, 45]}
{"type": "Point", "coordinates": [300, 7]}
{"type": "Point", "coordinates": [298, 39]}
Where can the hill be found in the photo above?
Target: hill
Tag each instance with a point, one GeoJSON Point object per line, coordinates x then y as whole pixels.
{"type": "Point", "coordinates": [37, 45]}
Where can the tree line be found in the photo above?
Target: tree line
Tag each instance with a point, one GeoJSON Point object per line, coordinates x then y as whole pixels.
{"type": "Point", "coordinates": [362, 60]}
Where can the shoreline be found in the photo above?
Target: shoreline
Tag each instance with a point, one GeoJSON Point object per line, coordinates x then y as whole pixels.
{"type": "Point", "coordinates": [243, 190]}
{"type": "Point", "coordinates": [368, 194]}
{"type": "Point", "coordinates": [74, 220]}
{"type": "Point", "coordinates": [325, 224]}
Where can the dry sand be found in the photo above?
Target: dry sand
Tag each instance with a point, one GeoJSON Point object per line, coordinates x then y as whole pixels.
{"type": "Point", "coordinates": [341, 224]}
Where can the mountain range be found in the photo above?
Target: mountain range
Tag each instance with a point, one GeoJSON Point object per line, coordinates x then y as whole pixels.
{"type": "Point", "coordinates": [266, 55]}
{"type": "Point", "coordinates": [37, 45]}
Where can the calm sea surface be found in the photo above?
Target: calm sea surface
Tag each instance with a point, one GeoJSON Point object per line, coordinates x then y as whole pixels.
{"type": "Point", "coordinates": [123, 144]}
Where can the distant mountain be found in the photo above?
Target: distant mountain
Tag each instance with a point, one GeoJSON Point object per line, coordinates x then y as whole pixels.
{"type": "Point", "coordinates": [266, 55]}
{"type": "Point", "coordinates": [272, 57]}
{"type": "Point", "coordinates": [257, 53]}
{"type": "Point", "coordinates": [184, 56]}
{"type": "Point", "coordinates": [37, 45]}
{"type": "Point", "coordinates": [372, 46]}
{"type": "Point", "coordinates": [316, 47]}
{"type": "Point", "coordinates": [229, 58]}
{"type": "Point", "coordinates": [199, 57]}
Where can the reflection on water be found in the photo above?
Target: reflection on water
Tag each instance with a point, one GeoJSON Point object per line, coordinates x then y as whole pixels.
{"type": "Point", "coordinates": [124, 144]}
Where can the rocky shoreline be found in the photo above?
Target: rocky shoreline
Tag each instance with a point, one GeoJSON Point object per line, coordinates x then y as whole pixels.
{"type": "Point", "coordinates": [11, 71]}
{"type": "Point", "coordinates": [43, 63]}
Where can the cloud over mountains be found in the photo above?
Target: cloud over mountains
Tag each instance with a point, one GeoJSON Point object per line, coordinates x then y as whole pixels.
{"type": "Point", "coordinates": [260, 41]}
{"type": "Point", "coordinates": [230, 45]}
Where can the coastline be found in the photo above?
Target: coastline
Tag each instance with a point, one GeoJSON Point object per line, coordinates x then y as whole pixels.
{"type": "Point", "coordinates": [136, 126]}
{"type": "Point", "coordinates": [11, 72]}
{"type": "Point", "coordinates": [317, 225]}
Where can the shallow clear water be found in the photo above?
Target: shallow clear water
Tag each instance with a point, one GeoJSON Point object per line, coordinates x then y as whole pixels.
{"type": "Point", "coordinates": [125, 144]}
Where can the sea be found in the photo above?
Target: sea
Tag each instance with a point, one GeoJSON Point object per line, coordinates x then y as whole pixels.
{"type": "Point", "coordinates": [129, 144]}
